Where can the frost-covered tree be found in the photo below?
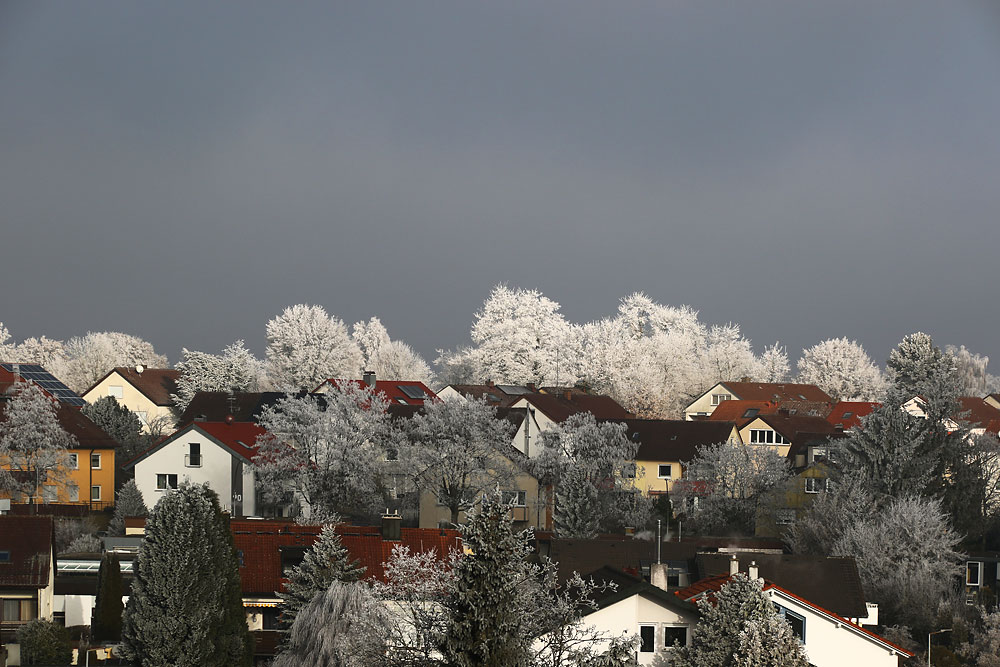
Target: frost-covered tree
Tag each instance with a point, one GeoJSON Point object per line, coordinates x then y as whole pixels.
{"type": "Point", "coordinates": [983, 648]}
{"type": "Point", "coordinates": [90, 357]}
{"type": "Point", "coordinates": [906, 557]}
{"type": "Point", "coordinates": [85, 544]}
{"type": "Point", "coordinates": [458, 450]}
{"type": "Point", "coordinates": [389, 359]}
{"type": "Point", "coordinates": [456, 367]}
{"type": "Point", "coordinates": [120, 423]}
{"type": "Point", "coordinates": [580, 453]}
{"type": "Point", "coordinates": [325, 562]}
{"type": "Point", "coordinates": [828, 516]}
{"type": "Point", "coordinates": [108, 607]}
{"type": "Point", "coordinates": [43, 351]}
{"type": "Point", "coordinates": [728, 355]}
{"type": "Point", "coordinates": [739, 627]}
{"type": "Point", "coordinates": [917, 367]}
{"type": "Point", "coordinates": [327, 449]}
{"type": "Point", "coordinates": [306, 346]}
{"type": "Point", "coordinates": [185, 606]}
{"type": "Point", "coordinates": [971, 369]}
{"type": "Point", "coordinates": [843, 369]}
{"type": "Point", "coordinates": [33, 446]}
{"type": "Point", "coordinates": [331, 628]}
{"type": "Point", "coordinates": [773, 366]}
{"type": "Point", "coordinates": [44, 643]}
{"type": "Point", "coordinates": [489, 623]}
{"type": "Point", "coordinates": [128, 502]}
{"type": "Point", "coordinates": [236, 369]}
{"type": "Point", "coordinates": [731, 483]}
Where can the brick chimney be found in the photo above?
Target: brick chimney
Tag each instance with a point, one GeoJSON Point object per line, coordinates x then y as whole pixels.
{"type": "Point", "coordinates": [369, 378]}
{"type": "Point", "coordinates": [392, 527]}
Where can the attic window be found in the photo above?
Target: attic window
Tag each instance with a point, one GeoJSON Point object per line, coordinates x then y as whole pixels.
{"type": "Point", "coordinates": [847, 415]}
{"type": "Point", "coordinates": [4, 556]}
{"type": "Point", "coordinates": [803, 397]}
{"type": "Point", "coordinates": [751, 412]}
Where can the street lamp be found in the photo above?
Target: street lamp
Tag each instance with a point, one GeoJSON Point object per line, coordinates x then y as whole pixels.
{"type": "Point", "coordinates": [936, 632]}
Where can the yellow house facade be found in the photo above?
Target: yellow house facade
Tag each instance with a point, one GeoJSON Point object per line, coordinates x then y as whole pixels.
{"type": "Point", "coordinates": [528, 505]}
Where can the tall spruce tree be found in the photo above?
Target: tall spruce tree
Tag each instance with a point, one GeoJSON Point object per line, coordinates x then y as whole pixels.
{"type": "Point", "coordinates": [488, 624]}
{"type": "Point", "coordinates": [577, 506]}
{"type": "Point", "coordinates": [128, 502]}
{"type": "Point", "coordinates": [107, 622]}
{"type": "Point", "coordinates": [185, 606]}
{"type": "Point", "coordinates": [119, 422]}
{"type": "Point", "coordinates": [325, 562]}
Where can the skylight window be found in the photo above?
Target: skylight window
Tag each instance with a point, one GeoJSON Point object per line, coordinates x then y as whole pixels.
{"type": "Point", "coordinates": [751, 412]}
{"type": "Point", "coordinates": [848, 415]}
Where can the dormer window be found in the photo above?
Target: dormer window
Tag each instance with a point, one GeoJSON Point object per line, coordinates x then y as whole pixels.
{"type": "Point", "coordinates": [847, 415]}
{"type": "Point", "coordinates": [719, 398]}
{"type": "Point", "coordinates": [752, 412]}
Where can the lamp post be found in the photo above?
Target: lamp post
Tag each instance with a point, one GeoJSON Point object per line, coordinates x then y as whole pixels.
{"type": "Point", "coordinates": [936, 632]}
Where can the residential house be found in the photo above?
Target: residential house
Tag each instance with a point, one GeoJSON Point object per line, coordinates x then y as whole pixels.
{"type": "Point", "coordinates": [215, 453]}
{"type": "Point", "coordinates": [546, 410]}
{"type": "Point", "coordinates": [846, 415]}
{"type": "Point", "coordinates": [977, 414]}
{"type": "Point", "coordinates": [780, 430]}
{"type": "Point", "coordinates": [90, 463]}
{"type": "Point", "coordinates": [27, 574]}
{"type": "Point", "coordinates": [993, 399]}
{"type": "Point", "coordinates": [666, 444]}
{"type": "Point", "coordinates": [145, 391]}
{"type": "Point", "coordinates": [408, 392]}
{"type": "Point", "coordinates": [633, 607]}
{"type": "Point", "coordinates": [829, 639]}
{"type": "Point", "coordinates": [704, 405]}
{"type": "Point", "coordinates": [620, 552]}
{"type": "Point", "coordinates": [500, 395]}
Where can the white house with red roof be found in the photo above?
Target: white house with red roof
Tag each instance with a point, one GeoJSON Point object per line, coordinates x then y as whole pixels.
{"type": "Point", "coordinates": [830, 640]}
{"type": "Point", "coordinates": [215, 453]}
{"type": "Point", "coordinates": [781, 392]}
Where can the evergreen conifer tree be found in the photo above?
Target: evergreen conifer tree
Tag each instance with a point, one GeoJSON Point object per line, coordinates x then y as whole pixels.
{"type": "Point", "coordinates": [325, 562]}
{"type": "Point", "coordinates": [488, 624]}
{"type": "Point", "coordinates": [185, 606]}
{"type": "Point", "coordinates": [117, 421]}
{"type": "Point", "coordinates": [577, 506]}
{"type": "Point", "coordinates": [128, 502]}
{"type": "Point", "coordinates": [108, 608]}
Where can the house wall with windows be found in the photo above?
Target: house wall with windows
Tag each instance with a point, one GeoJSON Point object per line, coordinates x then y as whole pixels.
{"type": "Point", "coordinates": [643, 616]}
{"type": "Point", "coordinates": [759, 432]}
{"type": "Point", "coordinates": [705, 405]}
{"type": "Point", "coordinates": [530, 510]}
{"type": "Point", "coordinates": [195, 456]}
{"type": "Point", "coordinates": [128, 396]}
{"type": "Point", "coordinates": [90, 478]}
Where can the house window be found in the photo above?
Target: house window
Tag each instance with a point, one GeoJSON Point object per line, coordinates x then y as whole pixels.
{"type": "Point", "coordinates": [664, 470]}
{"type": "Point", "coordinates": [115, 390]}
{"type": "Point", "coordinates": [765, 436]}
{"type": "Point", "coordinates": [165, 481]}
{"type": "Point", "coordinates": [785, 517]}
{"type": "Point", "coordinates": [50, 494]}
{"type": "Point", "coordinates": [18, 611]}
{"type": "Point", "coordinates": [751, 412]}
{"type": "Point", "coordinates": [74, 493]}
{"type": "Point", "coordinates": [647, 638]}
{"type": "Point", "coordinates": [193, 455]}
{"type": "Point", "coordinates": [391, 454]}
{"type": "Point", "coordinates": [797, 622]}
{"type": "Point", "coordinates": [142, 415]}
{"type": "Point", "coordinates": [95, 493]}
{"type": "Point", "coordinates": [847, 415]}
{"type": "Point", "coordinates": [972, 569]}
{"type": "Point", "coordinates": [675, 635]}
{"type": "Point", "coordinates": [95, 461]}
{"type": "Point", "coordinates": [515, 498]}
{"type": "Point", "coordinates": [4, 556]}
{"type": "Point", "coordinates": [719, 398]}
{"type": "Point", "coordinates": [74, 461]}
{"type": "Point", "coordinates": [815, 485]}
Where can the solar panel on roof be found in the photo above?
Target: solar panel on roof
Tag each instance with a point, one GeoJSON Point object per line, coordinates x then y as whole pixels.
{"type": "Point", "coordinates": [46, 381]}
{"type": "Point", "coordinates": [513, 390]}
{"type": "Point", "coordinates": [412, 391]}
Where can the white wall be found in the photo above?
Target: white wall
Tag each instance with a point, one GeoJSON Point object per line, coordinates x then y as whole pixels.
{"type": "Point", "coordinates": [703, 404]}
{"type": "Point", "coordinates": [627, 615]}
{"type": "Point", "coordinates": [216, 470]}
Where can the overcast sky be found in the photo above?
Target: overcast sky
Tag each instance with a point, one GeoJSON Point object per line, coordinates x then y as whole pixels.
{"type": "Point", "coordinates": [185, 170]}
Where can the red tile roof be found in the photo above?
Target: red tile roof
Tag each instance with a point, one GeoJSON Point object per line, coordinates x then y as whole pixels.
{"type": "Point", "coordinates": [156, 384]}
{"type": "Point", "coordinates": [29, 539]}
{"type": "Point", "coordinates": [737, 410]}
{"type": "Point", "coordinates": [239, 437]}
{"type": "Point", "coordinates": [260, 543]}
{"type": "Point", "coordinates": [88, 434]}
{"type": "Point", "coordinates": [847, 414]}
{"type": "Point", "coordinates": [559, 407]}
{"type": "Point", "coordinates": [777, 391]}
{"type": "Point", "coordinates": [979, 414]}
{"type": "Point", "coordinates": [392, 389]}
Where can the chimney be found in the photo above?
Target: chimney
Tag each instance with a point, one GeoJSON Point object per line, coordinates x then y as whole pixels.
{"type": "Point", "coordinates": [568, 395]}
{"type": "Point", "coordinates": [752, 570]}
{"type": "Point", "coordinates": [745, 378]}
{"type": "Point", "coordinates": [391, 527]}
{"type": "Point", "coordinates": [489, 383]}
{"type": "Point", "coordinates": [658, 575]}
{"type": "Point", "coordinates": [369, 378]}
{"type": "Point", "coordinates": [734, 565]}
{"type": "Point", "coordinates": [531, 386]}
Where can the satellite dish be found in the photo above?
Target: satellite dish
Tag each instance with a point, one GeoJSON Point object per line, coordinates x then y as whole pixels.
{"type": "Point", "coordinates": [139, 368]}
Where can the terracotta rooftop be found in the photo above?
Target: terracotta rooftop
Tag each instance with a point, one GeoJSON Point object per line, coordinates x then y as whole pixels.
{"type": "Point", "coordinates": [400, 392]}
{"type": "Point", "coordinates": [238, 437]}
{"type": "Point", "coordinates": [777, 391]}
{"type": "Point", "coordinates": [979, 414]}
{"type": "Point", "coordinates": [156, 384]}
{"type": "Point", "coordinates": [847, 414]}
{"type": "Point", "coordinates": [744, 411]}
{"type": "Point", "coordinates": [88, 435]}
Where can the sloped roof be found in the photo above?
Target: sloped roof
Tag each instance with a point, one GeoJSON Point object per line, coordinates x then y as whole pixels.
{"type": "Point", "coordinates": [673, 439]}
{"type": "Point", "coordinates": [394, 390]}
{"type": "Point", "coordinates": [560, 407]}
{"type": "Point", "coordinates": [832, 583]}
{"type": "Point", "coordinates": [979, 413]}
{"type": "Point", "coordinates": [791, 426]}
{"type": "Point", "coordinates": [260, 544]}
{"type": "Point", "coordinates": [30, 540]}
{"type": "Point", "coordinates": [499, 395]}
{"type": "Point", "coordinates": [240, 438]}
{"type": "Point", "coordinates": [737, 410]}
{"type": "Point", "coordinates": [156, 384]}
{"type": "Point", "coordinates": [626, 555]}
{"type": "Point", "coordinates": [847, 414]}
{"type": "Point", "coordinates": [626, 585]}
{"type": "Point", "coordinates": [777, 391]}
{"type": "Point", "coordinates": [41, 378]}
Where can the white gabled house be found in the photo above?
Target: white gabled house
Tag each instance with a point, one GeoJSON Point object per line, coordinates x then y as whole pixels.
{"type": "Point", "coordinates": [219, 454]}
{"type": "Point", "coordinates": [704, 405]}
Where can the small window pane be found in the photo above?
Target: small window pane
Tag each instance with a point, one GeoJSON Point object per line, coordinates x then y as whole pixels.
{"type": "Point", "coordinates": [95, 492]}
{"type": "Point", "coordinates": [95, 461]}
{"type": "Point", "coordinates": [665, 471]}
{"type": "Point", "coordinates": [74, 461]}
{"type": "Point", "coordinates": [74, 493]}
{"type": "Point", "coordinates": [674, 634]}
{"type": "Point", "coordinates": [49, 494]}
{"type": "Point", "coordinates": [115, 390]}
{"type": "Point", "coordinates": [972, 574]}
{"type": "Point", "coordinates": [647, 638]}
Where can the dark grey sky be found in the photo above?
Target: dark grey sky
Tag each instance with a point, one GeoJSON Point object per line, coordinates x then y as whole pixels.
{"type": "Point", "coordinates": [184, 170]}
